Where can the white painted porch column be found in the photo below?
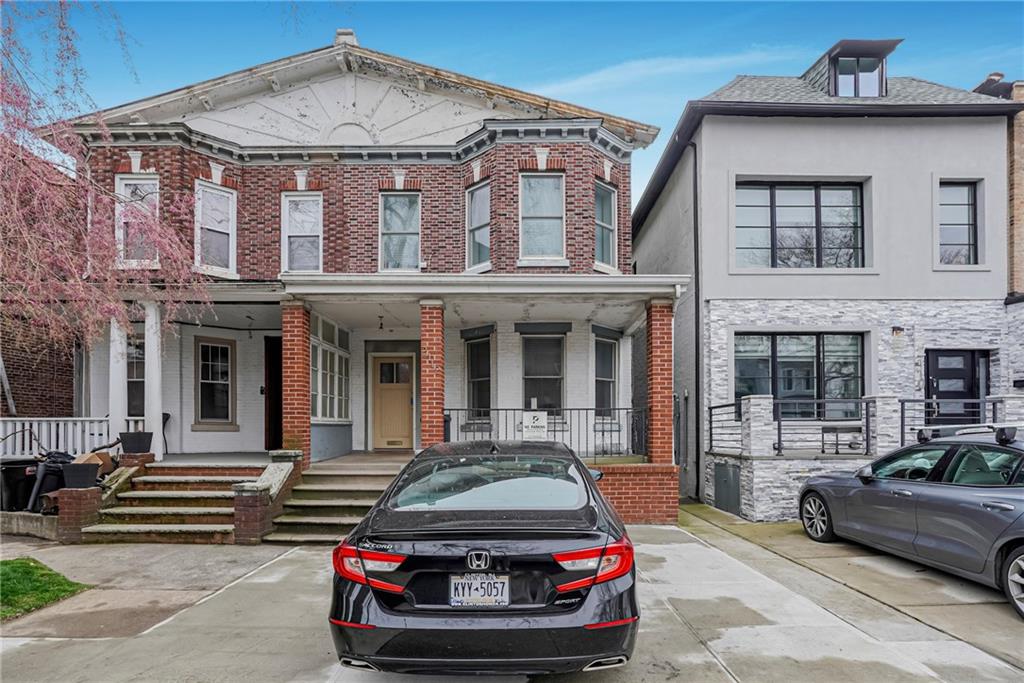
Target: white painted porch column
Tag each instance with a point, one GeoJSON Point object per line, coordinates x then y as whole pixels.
{"type": "Point", "coordinates": [154, 376]}
{"type": "Point", "coordinates": [117, 389]}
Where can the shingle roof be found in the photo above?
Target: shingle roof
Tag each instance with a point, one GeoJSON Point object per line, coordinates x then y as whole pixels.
{"type": "Point", "coordinates": [796, 90]}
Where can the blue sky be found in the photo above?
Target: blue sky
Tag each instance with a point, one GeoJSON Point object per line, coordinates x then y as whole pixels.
{"type": "Point", "coordinates": [639, 60]}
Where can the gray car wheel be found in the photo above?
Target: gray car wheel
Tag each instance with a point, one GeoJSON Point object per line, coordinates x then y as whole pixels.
{"type": "Point", "coordinates": [1013, 579]}
{"type": "Point", "coordinates": [816, 518]}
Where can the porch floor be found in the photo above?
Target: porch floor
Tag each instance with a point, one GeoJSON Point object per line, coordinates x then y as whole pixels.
{"type": "Point", "coordinates": [392, 458]}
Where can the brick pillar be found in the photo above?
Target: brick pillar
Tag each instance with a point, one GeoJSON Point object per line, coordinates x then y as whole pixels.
{"type": "Point", "coordinates": [252, 513]}
{"type": "Point", "coordinates": [136, 459]}
{"type": "Point", "coordinates": [295, 379]}
{"type": "Point", "coordinates": [885, 424]}
{"type": "Point", "coordinates": [77, 508]}
{"type": "Point", "coordinates": [659, 381]}
{"type": "Point", "coordinates": [431, 372]}
{"type": "Point", "coordinates": [757, 427]}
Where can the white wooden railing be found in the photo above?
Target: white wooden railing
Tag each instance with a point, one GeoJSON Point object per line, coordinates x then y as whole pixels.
{"type": "Point", "coordinates": [31, 436]}
{"type": "Point", "coordinates": [136, 424]}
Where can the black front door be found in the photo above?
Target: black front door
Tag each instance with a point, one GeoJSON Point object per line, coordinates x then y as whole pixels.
{"type": "Point", "coordinates": [957, 379]}
{"type": "Point", "coordinates": [272, 399]}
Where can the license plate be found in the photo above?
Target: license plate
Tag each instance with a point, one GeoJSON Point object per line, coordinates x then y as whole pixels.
{"type": "Point", "coordinates": [478, 590]}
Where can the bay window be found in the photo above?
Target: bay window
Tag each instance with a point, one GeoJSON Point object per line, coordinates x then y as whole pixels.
{"type": "Point", "coordinates": [400, 231]}
{"type": "Point", "coordinates": [136, 213]}
{"type": "Point", "coordinates": [478, 225]}
{"type": "Point", "coordinates": [302, 231]}
{"type": "Point", "coordinates": [329, 372]}
{"type": "Point", "coordinates": [215, 233]}
{"type": "Point", "coordinates": [800, 369]}
{"type": "Point", "coordinates": [541, 216]}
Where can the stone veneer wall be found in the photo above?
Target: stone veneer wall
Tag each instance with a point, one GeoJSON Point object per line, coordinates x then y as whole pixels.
{"type": "Point", "coordinates": [769, 485]}
{"type": "Point", "coordinates": [1015, 328]}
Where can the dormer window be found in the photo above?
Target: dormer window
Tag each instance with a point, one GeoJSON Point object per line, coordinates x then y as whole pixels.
{"type": "Point", "coordinates": [858, 77]}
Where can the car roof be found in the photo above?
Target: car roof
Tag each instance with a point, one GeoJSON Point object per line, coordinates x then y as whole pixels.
{"type": "Point", "coordinates": [493, 448]}
{"type": "Point", "coordinates": [986, 438]}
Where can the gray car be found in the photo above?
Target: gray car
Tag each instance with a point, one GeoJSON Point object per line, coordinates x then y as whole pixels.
{"type": "Point", "coordinates": [953, 502]}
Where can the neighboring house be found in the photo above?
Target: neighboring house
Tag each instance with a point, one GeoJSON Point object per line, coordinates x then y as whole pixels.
{"type": "Point", "coordinates": [846, 230]}
{"type": "Point", "coordinates": [398, 255]}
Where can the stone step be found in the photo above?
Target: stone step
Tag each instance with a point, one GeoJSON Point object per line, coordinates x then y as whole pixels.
{"type": "Point", "coordinates": [336, 525]}
{"type": "Point", "coordinates": [187, 483]}
{"type": "Point", "coordinates": [158, 533]}
{"type": "Point", "coordinates": [367, 492]}
{"type": "Point", "coordinates": [193, 470]}
{"type": "Point", "coordinates": [328, 507]}
{"type": "Point", "coordinates": [290, 537]}
{"type": "Point", "coordinates": [381, 481]}
{"type": "Point", "coordinates": [165, 514]}
{"type": "Point", "coordinates": [176, 498]}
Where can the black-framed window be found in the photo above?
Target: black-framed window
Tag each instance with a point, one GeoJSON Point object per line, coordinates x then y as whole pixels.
{"type": "Point", "coordinates": [800, 369]}
{"type": "Point", "coordinates": [478, 376]}
{"type": "Point", "coordinates": [136, 378]}
{"type": "Point", "coordinates": [858, 77]}
{"type": "Point", "coordinates": [799, 225]}
{"type": "Point", "coordinates": [605, 352]}
{"type": "Point", "coordinates": [543, 372]}
{"type": "Point", "coordinates": [958, 223]}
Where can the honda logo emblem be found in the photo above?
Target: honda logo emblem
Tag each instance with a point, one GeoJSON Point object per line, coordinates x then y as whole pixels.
{"type": "Point", "coordinates": [478, 559]}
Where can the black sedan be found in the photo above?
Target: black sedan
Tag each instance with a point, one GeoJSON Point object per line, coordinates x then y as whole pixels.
{"type": "Point", "coordinates": [487, 557]}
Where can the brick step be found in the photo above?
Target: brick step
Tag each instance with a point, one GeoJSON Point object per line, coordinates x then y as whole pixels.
{"type": "Point", "coordinates": [192, 470]}
{"type": "Point", "coordinates": [192, 483]}
{"type": "Point", "coordinates": [158, 533]}
{"type": "Point", "coordinates": [368, 492]}
{"type": "Point", "coordinates": [328, 507]}
{"type": "Point", "coordinates": [381, 481]}
{"type": "Point", "coordinates": [176, 498]}
{"type": "Point", "coordinates": [290, 537]}
{"type": "Point", "coordinates": [165, 514]}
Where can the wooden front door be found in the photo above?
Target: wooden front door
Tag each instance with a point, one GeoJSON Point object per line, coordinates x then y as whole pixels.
{"type": "Point", "coordinates": [393, 402]}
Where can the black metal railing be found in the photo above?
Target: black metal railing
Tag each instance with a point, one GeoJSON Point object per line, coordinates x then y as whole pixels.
{"type": "Point", "coordinates": [591, 432]}
{"type": "Point", "coordinates": [838, 426]}
{"type": "Point", "coordinates": [724, 428]}
{"type": "Point", "coordinates": [917, 413]}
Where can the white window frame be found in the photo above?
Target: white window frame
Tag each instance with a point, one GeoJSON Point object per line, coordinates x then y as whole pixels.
{"type": "Point", "coordinates": [232, 270]}
{"type": "Point", "coordinates": [285, 196]}
{"type": "Point", "coordinates": [614, 265]}
{"type": "Point", "coordinates": [483, 266]}
{"type": "Point", "coordinates": [554, 260]}
{"type": "Point", "coordinates": [380, 232]}
{"type": "Point", "coordinates": [614, 379]}
{"type": "Point", "coordinates": [120, 181]}
{"type": "Point", "coordinates": [209, 424]}
{"type": "Point", "coordinates": [522, 356]}
{"type": "Point", "coordinates": [140, 343]}
{"type": "Point", "coordinates": [490, 376]}
{"type": "Point", "coordinates": [342, 396]}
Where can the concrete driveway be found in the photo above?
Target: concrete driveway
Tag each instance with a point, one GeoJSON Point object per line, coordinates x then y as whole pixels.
{"type": "Point", "coordinates": [706, 617]}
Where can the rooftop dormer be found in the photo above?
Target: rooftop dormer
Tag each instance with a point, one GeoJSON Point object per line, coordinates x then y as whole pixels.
{"type": "Point", "coordinates": [852, 68]}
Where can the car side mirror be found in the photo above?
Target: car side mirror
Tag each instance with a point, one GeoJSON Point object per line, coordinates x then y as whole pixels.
{"type": "Point", "coordinates": [865, 474]}
{"type": "Point", "coordinates": [596, 475]}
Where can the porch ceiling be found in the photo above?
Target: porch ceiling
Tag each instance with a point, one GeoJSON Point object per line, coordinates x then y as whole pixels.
{"type": "Point", "coordinates": [247, 316]}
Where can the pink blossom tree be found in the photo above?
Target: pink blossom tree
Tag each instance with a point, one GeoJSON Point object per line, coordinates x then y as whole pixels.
{"type": "Point", "coordinates": [73, 254]}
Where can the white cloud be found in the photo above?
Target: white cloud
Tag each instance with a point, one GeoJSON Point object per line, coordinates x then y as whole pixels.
{"type": "Point", "coordinates": [633, 71]}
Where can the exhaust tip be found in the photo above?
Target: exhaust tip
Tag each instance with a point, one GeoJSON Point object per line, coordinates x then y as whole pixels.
{"type": "Point", "coordinates": [606, 663]}
{"type": "Point", "coordinates": [358, 664]}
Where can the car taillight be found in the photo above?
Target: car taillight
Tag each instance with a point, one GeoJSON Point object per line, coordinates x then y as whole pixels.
{"type": "Point", "coordinates": [352, 564]}
{"type": "Point", "coordinates": [611, 562]}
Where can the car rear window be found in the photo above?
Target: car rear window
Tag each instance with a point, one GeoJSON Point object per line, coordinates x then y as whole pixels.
{"type": "Point", "coordinates": [520, 482]}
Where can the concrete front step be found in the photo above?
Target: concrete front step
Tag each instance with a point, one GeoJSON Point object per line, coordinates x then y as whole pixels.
{"type": "Point", "coordinates": [328, 508]}
{"type": "Point", "coordinates": [193, 470]}
{"type": "Point", "coordinates": [158, 533]}
{"type": "Point", "coordinates": [381, 481]}
{"type": "Point", "coordinates": [324, 525]}
{"type": "Point", "coordinates": [368, 492]}
{"type": "Point", "coordinates": [290, 537]}
{"type": "Point", "coordinates": [176, 498]}
{"type": "Point", "coordinates": [187, 483]}
{"type": "Point", "coordinates": [165, 514]}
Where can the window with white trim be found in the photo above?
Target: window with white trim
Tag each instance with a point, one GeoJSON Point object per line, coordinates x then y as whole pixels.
{"type": "Point", "coordinates": [215, 382]}
{"type": "Point", "coordinates": [329, 372]}
{"type": "Point", "coordinates": [400, 231]}
{"type": "Point", "coordinates": [605, 362]}
{"type": "Point", "coordinates": [604, 214]}
{"type": "Point", "coordinates": [136, 377]}
{"type": "Point", "coordinates": [541, 215]}
{"type": "Point", "coordinates": [543, 371]}
{"type": "Point", "coordinates": [138, 203]}
{"type": "Point", "coordinates": [216, 229]}
{"type": "Point", "coordinates": [478, 225]}
{"type": "Point", "coordinates": [478, 376]}
{"type": "Point", "coordinates": [302, 231]}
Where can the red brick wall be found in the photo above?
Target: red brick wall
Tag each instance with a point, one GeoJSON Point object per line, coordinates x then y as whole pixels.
{"type": "Point", "coordinates": [642, 494]}
{"type": "Point", "coordinates": [431, 375]}
{"type": "Point", "coordinates": [42, 378]}
{"type": "Point", "coordinates": [659, 382]}
{"type": "Point", "coordinates": [351, 204]}
{"type": "Point", "coordinates": [295, 379]}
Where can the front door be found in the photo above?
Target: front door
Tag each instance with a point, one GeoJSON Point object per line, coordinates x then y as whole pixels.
{"type": "Point", "coordinates": [393, 402]}
{"type": "Point", "coordinates": [957, 379]}
{"type": "Point", "coordinates": [272, 398]}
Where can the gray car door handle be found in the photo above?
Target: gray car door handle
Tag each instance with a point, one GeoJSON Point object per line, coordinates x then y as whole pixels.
{"type": "Point", "coordinates": [996, 505]}
{"type": "Point", "coordinates": [902, 493]}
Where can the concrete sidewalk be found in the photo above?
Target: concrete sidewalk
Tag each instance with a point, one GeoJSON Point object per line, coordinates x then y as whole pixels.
{"type": "Point", "coordinates": [706, 617]}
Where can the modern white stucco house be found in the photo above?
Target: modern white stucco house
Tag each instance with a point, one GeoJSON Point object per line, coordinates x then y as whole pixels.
{"type": "Point", "coordinates": [847, 232]}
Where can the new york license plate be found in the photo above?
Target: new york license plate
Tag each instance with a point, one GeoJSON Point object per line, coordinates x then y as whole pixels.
{"type": "Point", "coordinates": [478, 590]}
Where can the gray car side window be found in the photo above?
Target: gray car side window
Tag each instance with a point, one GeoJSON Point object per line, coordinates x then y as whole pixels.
{"type": "Point", "coordinates": [983, 465]}
{"type": "Point", "coordinates": [915, 463]}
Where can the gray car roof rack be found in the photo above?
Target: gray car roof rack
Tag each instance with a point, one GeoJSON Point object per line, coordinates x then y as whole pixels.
{"type": "Point", "coordinates": [1006, 432]}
